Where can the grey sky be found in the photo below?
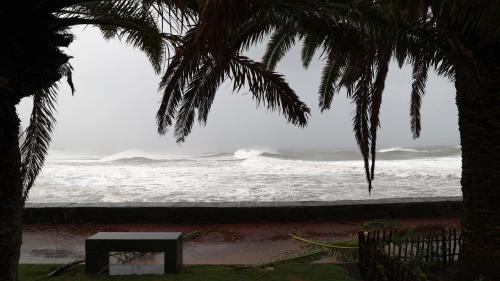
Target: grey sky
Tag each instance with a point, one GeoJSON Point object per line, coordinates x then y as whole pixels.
{"type": "Point", "coordinates": [116, 101]}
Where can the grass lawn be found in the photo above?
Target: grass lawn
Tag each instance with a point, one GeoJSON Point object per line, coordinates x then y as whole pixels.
{"type": "Point", "coordinates": [281, 272]}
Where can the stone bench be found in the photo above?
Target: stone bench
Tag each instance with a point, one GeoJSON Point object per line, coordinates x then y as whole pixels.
{"type": "Point", "coordinates": [98, 247]}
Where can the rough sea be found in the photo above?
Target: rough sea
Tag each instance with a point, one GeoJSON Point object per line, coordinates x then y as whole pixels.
{"type": "Point", "coordinates": [248, 174]}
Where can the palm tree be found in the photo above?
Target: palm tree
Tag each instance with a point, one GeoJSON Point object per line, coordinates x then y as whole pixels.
{"type": "Point", "coordinates": [459, 39]}
{"type": "Point", "coordinates": [33, 62]}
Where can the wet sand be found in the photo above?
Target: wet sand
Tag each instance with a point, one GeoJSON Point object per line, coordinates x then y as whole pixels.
{"type": "Point", "coordinates": [243, 243]}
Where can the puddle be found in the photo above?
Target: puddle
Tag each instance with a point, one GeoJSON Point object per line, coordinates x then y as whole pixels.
{"type": "Point", "coordinates": [134, 263]}
{"type": "Point", "coordinates": [135, 269]}
{"type": "Point", "coordinates": [54, 253]}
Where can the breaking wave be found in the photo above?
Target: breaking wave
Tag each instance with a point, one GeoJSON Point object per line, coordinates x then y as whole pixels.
{"type": "Point", "coordinates": [392, 153]}
{"type": "Point", "coordinates": [245, 153]}
{"type": "Point", "coordinates": [249, 174]}
{"type": "Point", "coordinates": [140, 157]}
{"type": "Point", "coordinates": [397, 148]}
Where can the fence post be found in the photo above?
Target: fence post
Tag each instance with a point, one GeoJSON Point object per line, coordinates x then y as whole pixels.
{"type": "Point", "coordinates": [443, 247]}
{"type": "Point", "coordinates": [377, 253]}
{"type": "Point", "coordinates": [428, 250]}
{"type": "Point", "coordinates": [454, 243]}
{"type": "Point", "coordinates": [361, 251]}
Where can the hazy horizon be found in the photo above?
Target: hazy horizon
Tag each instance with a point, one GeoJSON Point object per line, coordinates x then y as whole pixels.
{"type": "Point", "coordinates": [115, 104]}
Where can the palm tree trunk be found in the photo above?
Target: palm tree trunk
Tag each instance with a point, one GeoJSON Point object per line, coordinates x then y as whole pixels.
{"type": "Point", "coordinates": [11, 203]}
{"type": "Point", "coordinates": [479, 123]}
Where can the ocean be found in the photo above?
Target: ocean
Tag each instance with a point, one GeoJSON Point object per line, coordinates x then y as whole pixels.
{"type": "Point", "coordinates": [248, 174]}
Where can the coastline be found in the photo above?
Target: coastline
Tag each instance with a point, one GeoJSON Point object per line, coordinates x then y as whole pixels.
{"type": "Point", "coordinates": [227, 212]}
{"type": "Point", "coordinates": [218, 243]}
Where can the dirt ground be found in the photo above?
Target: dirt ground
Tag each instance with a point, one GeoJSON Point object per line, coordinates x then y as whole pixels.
{"type": "Point", "coordinates": [243, 243]}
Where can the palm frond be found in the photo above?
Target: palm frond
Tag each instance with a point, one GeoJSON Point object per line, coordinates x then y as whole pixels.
{"type": "Point", "coordinates": [199, 67]}
{"type": "Point", "coordinates": [420, 70]}
{"type": "Point", "coordinates": [332, 71]}
{"type": "Point", "coordinates": [307, 255]}
{"type": "Point", "coordinates": [182, 67]}
{"type": "Point", "coordinates": [473, 19]}
{"type": "Point", "coordinates": [309, 47]}
{"type": "Point", "coordinates": [137, 22]}
{"type": "Point", "coordinates": [358, 38]}
{"type": "Point", "coordinates": [37, 136]}
{"type": "Point", "coordinates": [130, 21]}
{"type": "Point", "coordinates": [361, 97]}
{"type": "Point", "coordinates": [314, 250]}
{"type": "Point", "coordinates": [199, 96]}
{"type": "Point", "coordinates": [173, 86]}
{"type": "Point", "coordinates": [269, 88]}
{"type": "Point", "coordinates": [383, 59]}
{"type": "Point", "coordinates": [250, 33]}
{"type": "Point", "coordinates": [280, 42]}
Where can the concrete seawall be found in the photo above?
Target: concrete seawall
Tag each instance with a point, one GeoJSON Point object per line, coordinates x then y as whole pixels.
{"type": "Point", "coordinates": [241, 211]}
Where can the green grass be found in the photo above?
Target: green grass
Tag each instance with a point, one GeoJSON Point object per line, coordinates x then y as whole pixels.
{"type": "Point", "coordinates": [281, 272]}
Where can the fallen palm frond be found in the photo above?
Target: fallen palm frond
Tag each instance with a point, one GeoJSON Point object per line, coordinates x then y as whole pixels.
{"type": "Point", "coordinates": [193, 235]}
{"type": "Point", "coordinates": [383, 224]}
{"type": "Point", "coordinates": [64, 267]}
{"type": "Point", "coordinates": [314, 250]}
{"type": "Point", "coordinates": [338, 245]}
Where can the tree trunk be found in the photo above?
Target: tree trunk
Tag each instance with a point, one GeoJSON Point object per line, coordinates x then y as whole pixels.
{"type": "Point", "coordinates": [479, 123]}
{"type": "Point", "coordinates": [11, 204]}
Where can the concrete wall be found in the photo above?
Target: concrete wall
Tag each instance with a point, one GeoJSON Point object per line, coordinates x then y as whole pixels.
{"type": "Point", "coordinates": [241, 211]}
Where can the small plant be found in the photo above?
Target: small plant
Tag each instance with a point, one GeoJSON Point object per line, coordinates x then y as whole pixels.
{"type": "Point", "coordinates": [382, 271]}
{"type": "Point", "coordinates": [380, 225]}
{"type": "Point", "coordinates": [419, 267]}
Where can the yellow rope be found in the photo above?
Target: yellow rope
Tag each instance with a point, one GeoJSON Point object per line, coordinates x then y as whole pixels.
{"type": "Point", "coordinates": [319, 243]}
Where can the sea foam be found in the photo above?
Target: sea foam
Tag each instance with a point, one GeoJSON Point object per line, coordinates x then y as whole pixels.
{"type": "Point", "coordinates": [245, 153]}
{"type": "Point", "coordinates": [248, 174]}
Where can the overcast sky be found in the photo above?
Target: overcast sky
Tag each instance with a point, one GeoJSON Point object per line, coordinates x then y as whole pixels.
{"type": "Point", "coordinates": [116, 101]}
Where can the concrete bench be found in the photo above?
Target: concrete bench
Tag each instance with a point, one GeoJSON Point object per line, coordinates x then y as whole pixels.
{"type": "Point", "coordinates": [98, 247]}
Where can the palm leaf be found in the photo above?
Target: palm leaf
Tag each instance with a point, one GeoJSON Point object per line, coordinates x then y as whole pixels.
{"type": "Point", "coordinates": [361, 97]}
{"type": "Point", "coordinates": [199, 96]}
{"type": "Point", "coordinates": [359, 38]}
{"type": "Point", "coordinates": [134, 21]}
{"type": "Point", "coordinates": [382, 62]}
{"type": "Point", "coordinates": [332, 71]}
{"type": "Point", "coordinates": [130, 21]}
{"type": "Point", "coordinates": [178, 74]}
{"type": "Point", "coordinates": [420, 70]}
{"type": "Point", "coordinates": [200, 65]}
{"type": "Point", "coordinates": [313, 250]}
{"type": "Point", "coordinates": [37, 136]}
{"type": "Point", "coordinates": [280, 42]}
{"type": "Point", "coordinates": [311, 43]}
{"type": "Point", "coordinates": [269, 88]}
